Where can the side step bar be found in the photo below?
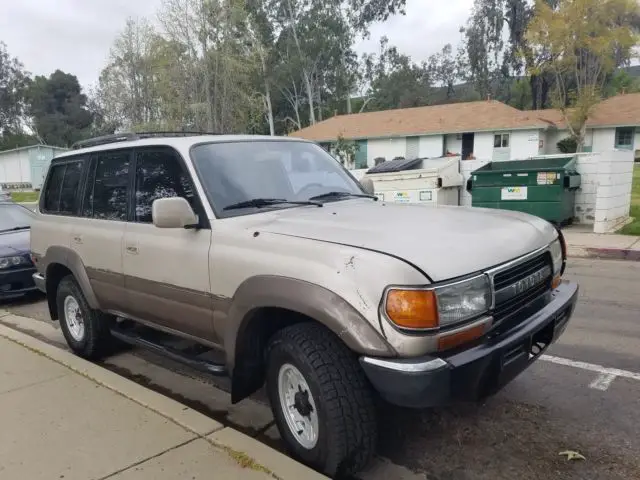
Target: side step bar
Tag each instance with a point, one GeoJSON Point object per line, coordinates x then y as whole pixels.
{"type": "Point", "coordinates": [133, 338]}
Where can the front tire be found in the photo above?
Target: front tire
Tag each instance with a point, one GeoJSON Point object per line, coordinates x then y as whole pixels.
{"type": "Point", "coordinates": [85, 330]}
{"type": "Point", "coordinates": [321, 400]}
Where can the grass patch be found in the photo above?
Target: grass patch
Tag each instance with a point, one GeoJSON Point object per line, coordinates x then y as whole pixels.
{"type": "Point", "coordinates": [634, 227]}
{"type": "Point", "coordinates": [21, 197]}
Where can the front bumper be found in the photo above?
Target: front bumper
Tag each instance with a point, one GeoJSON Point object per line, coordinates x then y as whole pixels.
{"type": "Point", "coordinates": [16, 283]}
{"type": "Point", "coordinates": [477, 372]}
{"type": "Point", "coordinates": [40, 282]}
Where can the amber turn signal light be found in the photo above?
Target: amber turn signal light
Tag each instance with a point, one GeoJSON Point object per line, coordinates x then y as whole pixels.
{"type": "Point", "coordinates": [453, 340]}
{"type": "Point", "coordinates": [412, 308]}
{"type": "Point", "coordinates": [555, 283]}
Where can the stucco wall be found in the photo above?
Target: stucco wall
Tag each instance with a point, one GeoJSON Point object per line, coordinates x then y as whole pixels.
{"type": "Point", "coordinates": [15, 166]}
{"type": "Point", "coordinates": [603, 139]}
{"type": "Point", "coordinates": [431, 146]}
{"type": "Point", "coordinates": [483, 145]}
{"type": "Point", "coordinates": [388, 148]}
{"type": "Point", "coordinates": [466, 167]}
{"type": "Point", "coordinates": [613, 197]}
{"type": "Point", "coordinates": [524, 144]}
{"type": "Point", "coordinates": [604, 197]}
{"type": "Point", "coordinates": [452, 143]}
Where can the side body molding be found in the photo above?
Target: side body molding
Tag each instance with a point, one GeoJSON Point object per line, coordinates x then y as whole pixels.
{"type": "Point", "coordinates": [57, 255]}
{"type": "Point", "coordinates": [305, 298]}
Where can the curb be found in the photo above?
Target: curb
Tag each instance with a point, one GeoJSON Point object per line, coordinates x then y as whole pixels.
{"type": "Point", "coordinates": [604, 253]}
{"type": "Point", "coordinates": [233, 442]}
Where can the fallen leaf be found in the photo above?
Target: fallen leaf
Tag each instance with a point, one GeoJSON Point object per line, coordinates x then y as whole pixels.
{"type": "Point", "coordinates": [571, 455]}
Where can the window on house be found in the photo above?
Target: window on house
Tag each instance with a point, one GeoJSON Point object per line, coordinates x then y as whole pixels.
{"type": "Point", "coordinates": [624, 138]}
{"type": "Point", "coordinates": [501, 140]}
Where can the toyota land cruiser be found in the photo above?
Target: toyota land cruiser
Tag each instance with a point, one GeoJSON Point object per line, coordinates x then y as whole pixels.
{"type": "Point", "coordinates": [268, 250]}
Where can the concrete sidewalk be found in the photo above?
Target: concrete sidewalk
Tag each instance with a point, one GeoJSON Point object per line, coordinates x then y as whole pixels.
{"type": "Point", "coordinates": [62, 417]}
{"type": "Point", "coordinates": [583, 243]}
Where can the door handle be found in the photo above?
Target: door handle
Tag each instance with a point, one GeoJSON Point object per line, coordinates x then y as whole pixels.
{"type": "Point", "coordinates": [77, 239]}
{"type": "Point", "coordinates": [133, 250]}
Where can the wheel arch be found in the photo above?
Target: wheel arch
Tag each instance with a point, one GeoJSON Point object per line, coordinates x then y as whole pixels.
{"type": "Point", "coordinates": [60, 262]}
{"type": "Point", "coordinates": [264, 305]}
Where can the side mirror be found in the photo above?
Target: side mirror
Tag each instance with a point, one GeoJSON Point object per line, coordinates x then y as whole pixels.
{"type": "Point", "coordinates": [172, 212]}
{"type": "Point", "coordinates": [367, 185]}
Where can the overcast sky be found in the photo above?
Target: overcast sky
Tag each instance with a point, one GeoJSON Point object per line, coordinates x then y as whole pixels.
{"type": "Point", "coordinates": [75, 35]}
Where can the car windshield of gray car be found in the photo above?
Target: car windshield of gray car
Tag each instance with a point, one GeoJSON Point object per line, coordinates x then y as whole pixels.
{"type": "Point", "coordinates": [250, 176]}
{"type": "Point", "coordinates": [14, 217]}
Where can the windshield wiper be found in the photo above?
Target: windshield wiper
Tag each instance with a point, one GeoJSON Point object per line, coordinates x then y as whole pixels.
{"type": "Point", "coordinates": [14, 229]}
{"type": "Point", "coordinates": [330, 195]}
{"type": "Point", "coordinates": [267, 202]}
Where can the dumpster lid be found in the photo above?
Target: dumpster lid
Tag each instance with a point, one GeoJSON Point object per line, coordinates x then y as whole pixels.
{"type": "Point", "coordinates": [538, 164]}
{"type": "Point", "coordinates": [397, 165]}
{"type": "Point", "coordinates": [434, 165]}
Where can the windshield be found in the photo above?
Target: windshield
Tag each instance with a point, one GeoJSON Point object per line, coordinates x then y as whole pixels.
{"type": "Point", "coordinates": [237, 172]}
{"type": "Point", "coordinates": [15, 217]}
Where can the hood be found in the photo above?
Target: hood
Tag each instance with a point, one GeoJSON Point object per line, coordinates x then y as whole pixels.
{"type": "Point", "coordinates": [15, 243]}
{"type": "Point", "coordinates": [444, 242]}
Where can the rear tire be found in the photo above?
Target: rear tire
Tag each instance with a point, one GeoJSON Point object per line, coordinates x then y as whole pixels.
{"type": "Point", "coordinates": [321, 400]}
{"type": "Point", "coordinates": [85, 330]}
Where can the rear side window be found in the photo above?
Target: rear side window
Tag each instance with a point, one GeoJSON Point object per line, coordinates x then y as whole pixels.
{"type": "Point", "coordinates": [61, 193]}
{"type": "Point", "coordinates": [52, 191]}
{"type": "Point", "coordinates": [108, 186]}
{"type": "Point", "coordinates": [70, 187]}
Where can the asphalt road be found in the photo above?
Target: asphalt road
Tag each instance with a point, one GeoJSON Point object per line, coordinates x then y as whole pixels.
{"type": "Point", "coordinates": [583, 396]}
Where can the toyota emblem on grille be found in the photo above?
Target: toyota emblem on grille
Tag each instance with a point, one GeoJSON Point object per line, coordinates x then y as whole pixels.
{"type": "Point", "coordinates": [529, 282]}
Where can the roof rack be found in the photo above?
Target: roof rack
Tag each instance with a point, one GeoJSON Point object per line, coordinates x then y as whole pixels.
{"type": "Point", "coordinates": [131, 136]}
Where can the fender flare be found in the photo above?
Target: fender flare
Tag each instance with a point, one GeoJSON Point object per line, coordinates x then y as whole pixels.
{"type": "Point", "coordinates": [314, 301]}
{"type": "Point", "coordinates": [68, 258]}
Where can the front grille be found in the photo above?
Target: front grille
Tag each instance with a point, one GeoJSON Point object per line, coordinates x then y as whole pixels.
{"type": "Point", "coordinates": [508, 307]}
{"type": "Point", "coordinates": [513, 274]}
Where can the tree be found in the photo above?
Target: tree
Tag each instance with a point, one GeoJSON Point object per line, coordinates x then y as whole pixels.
{"type": "Point", "coordinates": [396, 82]}
{"type": "Point", "coordinates": [261, 37]}
{"type": "Point", "coordinates": [127, 82]}
{"type": "Point", "coordinates": [345, 150]}
{"type": "Point", "coordinates": [484, 46]}
{"type": "Point", "coordinates": [103, 123]}
{"type": "Point", "coordinates": [521, 58]}
{"type": "Point", "coordinates": [13, 84]}
{"type": "Point", "coordinates": [366, 12]}
{"type": "Point", "coordinates": [444, 68]}
{"type": "Point", "coordinates": [220, 69]}
{"type": "Point", "coordinates": [584, 40]}
{"type": "Point", "coordinates": [58, 109]}
{"type": "Point", "coordinates": [621, 82]}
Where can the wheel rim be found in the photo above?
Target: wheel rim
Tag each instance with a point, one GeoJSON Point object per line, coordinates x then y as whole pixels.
{"type": "Point", "coordinates": [298, 406]}
{"type": "Point", "coordinates": [73, 318]}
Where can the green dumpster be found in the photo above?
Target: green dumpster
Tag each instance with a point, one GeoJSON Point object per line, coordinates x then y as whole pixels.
{"type": "Point", "coordinates": [544, 187]}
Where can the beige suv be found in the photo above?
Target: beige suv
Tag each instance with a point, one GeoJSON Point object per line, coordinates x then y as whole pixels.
{"type": "Point", "coordinates": [267, 250]}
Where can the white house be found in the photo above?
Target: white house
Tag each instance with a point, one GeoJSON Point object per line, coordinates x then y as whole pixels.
{"type": "Point", "coordinates": [26, 167]}
{"type": "Point", "coordinates": [486, 130]}
{"type": "Point", "coordinates": [613, 124]}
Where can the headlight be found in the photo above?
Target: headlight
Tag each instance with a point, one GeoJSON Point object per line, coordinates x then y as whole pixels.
{"type": "Point", "coordinates": [6, 262]}
{"type": "Point", "coordinates": [440, 306]}
{"type": "Point", "coordinates": [464, 300]}
{"type": "Point", "coordinates": [556, 256]}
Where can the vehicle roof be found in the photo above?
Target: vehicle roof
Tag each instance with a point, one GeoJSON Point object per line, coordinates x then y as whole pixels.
{"type": "Point", "coordinates": [179, 143]}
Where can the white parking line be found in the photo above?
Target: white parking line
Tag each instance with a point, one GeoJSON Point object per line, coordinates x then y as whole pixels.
{"type": "Point", "coordinates": [602, 381]}
{"type": "Point", "coordinates": [605, 375]}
